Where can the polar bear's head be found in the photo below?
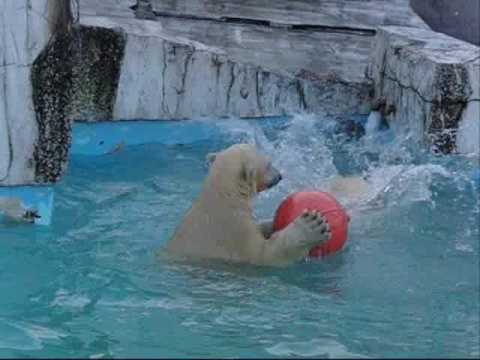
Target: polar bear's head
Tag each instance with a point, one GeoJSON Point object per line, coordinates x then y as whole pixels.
{"type": "Point", "coordinates": [242, 169]}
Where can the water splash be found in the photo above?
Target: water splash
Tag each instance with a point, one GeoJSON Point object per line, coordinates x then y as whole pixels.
{"type": "Point", "coordinates": [312, 155]}
{"type": "Point", "coordinates": [373, 123]}
{"type": "Point", "coordinates": [412, 253]}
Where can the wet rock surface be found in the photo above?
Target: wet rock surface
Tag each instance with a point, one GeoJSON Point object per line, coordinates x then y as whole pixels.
{"type": "Point", "coordinates": [74, 78]}
{"type": "Point", "coordinates": [257, 58]}
{"type": "Point", "coordinates": [339, 14]}
{"type": "Point", "coordinates": [430, 79]}
{"type": "Point", "coordinates": [24, 32]}
{"type": "Point", "coordinates": [126, 59]}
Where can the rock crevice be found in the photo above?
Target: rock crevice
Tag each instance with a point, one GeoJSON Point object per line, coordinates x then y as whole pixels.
{"type": "Point", "coordinates": [430, 78]}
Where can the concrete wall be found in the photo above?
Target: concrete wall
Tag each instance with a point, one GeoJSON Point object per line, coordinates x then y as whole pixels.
{"type": "Point", "coordinates": [458, 18]}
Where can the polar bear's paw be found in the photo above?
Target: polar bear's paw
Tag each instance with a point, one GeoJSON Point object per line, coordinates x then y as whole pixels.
{"type": "Point", "coordinates": [314, 229]}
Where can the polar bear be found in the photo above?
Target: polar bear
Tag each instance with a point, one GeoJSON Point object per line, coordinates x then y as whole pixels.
{"type": "Point", "coordinates": [220, 224]}
{"type": "Point", "coordinates": [352, 189]}
{"type": "Point", "coordinates": [14, 210]}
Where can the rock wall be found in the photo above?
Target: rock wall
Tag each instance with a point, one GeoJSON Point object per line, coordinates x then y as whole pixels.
{"type": "Point", "coordinates": [346, 14]}
{"type": "Point", "coordinates": [192, 82]}
{"type": "Point", "coordinates": [74, 78]}
{"type": "Point", "coordinates": [167, 74]}
{"type": "Point", "coordinates": [431, 80]}
{"type": "Point", "coordinates": [24, 32]}
{"type": "Point", "coordinates": [98, 62]}
{"type": "Point", "coordinates": [468, 134]}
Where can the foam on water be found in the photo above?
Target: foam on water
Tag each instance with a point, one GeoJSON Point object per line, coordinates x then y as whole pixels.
{"type": "Point", "coordinates": [314, 348]}
{"type": "Point", "coordinates": [93, 285]}
{"type": "Point", "coordinates": [373, 123]}
{"type": "Point", "coordinates": [392, 170]}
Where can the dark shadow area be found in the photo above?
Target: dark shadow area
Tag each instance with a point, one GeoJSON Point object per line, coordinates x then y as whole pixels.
{"type": "Point", "coordinates": [457, 18]}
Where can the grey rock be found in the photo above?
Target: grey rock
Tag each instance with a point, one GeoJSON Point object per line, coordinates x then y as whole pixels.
{"type": "Point", "coordinates": [267, 71]}
{"type": "Point", "coordinates": [24, 31]}
{"type": "Point", "coordinates": [214, 69]}
{"type": "Point", "coordinates": [430, 78]}
{"type": "Point", "coordinates": [347, 14]}
{"type": "Point", "coordinates": [96, 60]}
{"type": "Point", "coordinates": [468, 133]}
{"type": "Point", "coordinates": [107, 8]}
{"type": "Point", "coordinates": [194, 81]}
{"type": "Point", "coordinates": [74, 78]}
{"type": "Point", "coordinates": [143, 10]}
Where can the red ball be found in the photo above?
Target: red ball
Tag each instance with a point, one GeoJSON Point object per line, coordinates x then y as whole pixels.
{"type": "Point", "coordinates": [294, 205]}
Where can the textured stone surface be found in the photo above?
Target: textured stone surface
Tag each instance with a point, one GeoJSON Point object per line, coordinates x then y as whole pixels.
{"type": "Point", "coordinates": [217, 69]}
{"type": "Point", "coordinates": [347, 14]}
{"type": "Point", "coordinates": [429, 78]}
{"type": "Point", "coordinates": [109, 8]}
{"type": "Point", "coordinates": [110, 65]}
{"type": "Point", "coordinates": [194, 81]}
{"type": "Point", "coordinates": [24, 31]}
{"type": "Point", "coordinates": [468, 135]}
{"type": "Point", "coordinates": [284, 52]}
{"type": "Point", "coordinates": [74, 78]}
{"type": "Point", "coordinates": [245, 68]}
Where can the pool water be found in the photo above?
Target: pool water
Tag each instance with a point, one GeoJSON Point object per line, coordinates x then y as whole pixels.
{"type": "Point", "coordinates": [93, 285]}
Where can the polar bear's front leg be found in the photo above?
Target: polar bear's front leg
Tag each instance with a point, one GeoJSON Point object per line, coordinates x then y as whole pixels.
{"type": "Point", "coordinates": [295, 241]}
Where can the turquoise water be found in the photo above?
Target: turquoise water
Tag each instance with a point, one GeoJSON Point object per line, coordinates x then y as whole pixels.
{"type": "Point", "coordinates": [407, 285]}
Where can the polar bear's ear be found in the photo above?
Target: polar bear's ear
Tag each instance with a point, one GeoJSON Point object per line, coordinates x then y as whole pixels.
{"type": "Point", "coordinates": [211, 158]}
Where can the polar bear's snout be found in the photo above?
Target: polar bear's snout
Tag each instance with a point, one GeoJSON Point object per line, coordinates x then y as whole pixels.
{"type": "Point", "coordinates": [220, 223]}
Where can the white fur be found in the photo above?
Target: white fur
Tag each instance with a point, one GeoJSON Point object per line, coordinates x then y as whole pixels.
{"type": "Point", "coordinates": [220, 223]}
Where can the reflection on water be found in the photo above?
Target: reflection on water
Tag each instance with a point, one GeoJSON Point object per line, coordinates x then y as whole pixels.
{"type": "Point", "coordinates": [93, 284]}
